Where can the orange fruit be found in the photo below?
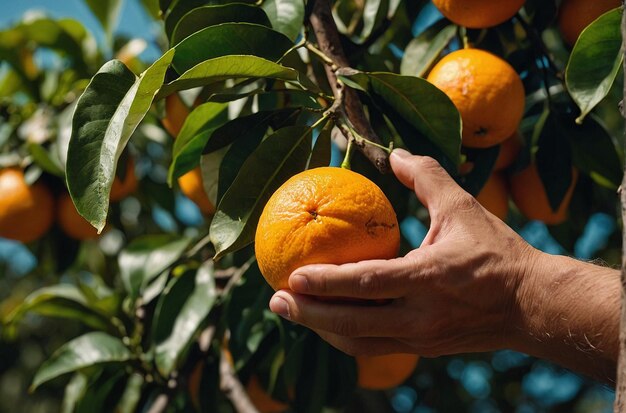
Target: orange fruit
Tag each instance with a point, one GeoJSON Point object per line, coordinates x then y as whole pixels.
{"type": "Point", "coordinates": [478, 14]}
{"type": "Point", "coordinates": [175, 114]}
{"type": "Point", "coordinates": [26, 212]}
{"type": "Point", "coordinates": [509, 149]}
{"type": "Point", "coordinates": [261, 400]}
{"type": "Point", "coordinates": [385, 372]}
{"type": "Point", "coordinates": [191, 185]}
{"type": "Point", "coordinates": [70, 221]}
{"type": "Point", "coordinates": [531, 199]}
{"type": "Point", "coordinates": [575, 15]}
{"type": "Point", "coordinates": [122, 188]}
{"type": "Point", "coordinates": [486, 90]}
{"type": "Point", "coordinates": [324, 215]}
{"type": "Point", "coordinates": [494, 196]}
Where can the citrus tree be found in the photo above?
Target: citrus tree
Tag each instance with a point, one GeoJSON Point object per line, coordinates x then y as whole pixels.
{"type": "Point", "coordinates": [515, 99]}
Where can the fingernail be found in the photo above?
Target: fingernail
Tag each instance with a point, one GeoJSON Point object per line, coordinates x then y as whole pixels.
{"type": "Point", "coordinates": [279, 306]}
{"type": "Point", "coordinates": [400, 153]}
{"type": "Point", "coordinates": [299, 283]}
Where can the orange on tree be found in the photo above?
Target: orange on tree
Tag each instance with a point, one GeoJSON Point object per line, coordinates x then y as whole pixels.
{"type": "Point", "coordinates": [191, 185]}
{"type": "Point", "coordinates": [175, 114]}
{"type": "Point", "coordinates": [121, 188]}
{"type": "Point", "coordinates": [509, 149]}
{"type": "Point", "coordinates": [263, 402]}
{"type": "Point", "coordinates": [478, 14]}
{"type": "Point", "coordinates": [530, 196]}
{"type": "Point", "coordinates": [385, 372]}
{"type": "Point", "coordinates": [494, 196]}
{"type": "Point", "coordinates": [70, 221]}
{"type": "Point", "coordinates": [575, 15]}
{"type": "Point", "coordinates": [486, 90]}
{"type": "Point", "coordinates": [26, 212]}
{"type": "Point", "coordinates": [324, 215]}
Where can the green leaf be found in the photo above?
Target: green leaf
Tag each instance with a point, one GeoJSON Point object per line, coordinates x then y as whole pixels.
{"type": "Point", "coordinates": [74, 391]}
{"type": "Point", "coordinates": [594, 152]}
{"type": "Point", "coordinates": [554, 159]}
{"type": "Point", "coordinates": [147, 257]}
{"type": "Point", "coordinates": [320, 155]}
{"type": "Point", "coordinates": [106, 115]}
{"type": "Point", "coordinates": [422, 51]}
{"type": "Point", "coordinates": [418, 102]}
{"type": "Point", "coordinates": [228, 67]}
{"type": "Point", "coordinates": [203, 17]}
{"type": "Point", "coordinates": [103, 391]}
{"type": "Point", "coordinates": [595, 62]}
{"type": "Point", "coordinates": [85, 351]}
{"type": "Point", "coordinates": [46, 160]}
{"type": "Point", "coordinates": [374, 12]}
{"type": "Point", "coordinates": [230, 39]}
{"type": "Point", "coordinates": [195, 132]}
{"type": "Point", "coordinates": [132, 394]}
{"type": "Point", "coordinates": [62, 300]}
{"type": "Point", "coordinates": [175, 10]}
{"type": "Point", "coordinates": [287, 16]}
{"type": "Point", "coordinates": [107, 12]}
{"type": "Point", "coordinates": [168, 353]}
{"type": "Point", "coordinates": [152, 7]}
{"type": "Point", "coordinates": [279, 157]}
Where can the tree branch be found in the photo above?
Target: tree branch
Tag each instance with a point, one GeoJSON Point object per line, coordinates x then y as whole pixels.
{"type": "Point", "coordinates": [329, 43]}
{"type": "Point", "coordinates": [233, 389]}
{"type": "Point", "coordinates": [620, 389]}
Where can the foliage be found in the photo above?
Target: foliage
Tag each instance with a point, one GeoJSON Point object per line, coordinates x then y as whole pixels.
{"type": "Point", "coordinates": [159, 295]}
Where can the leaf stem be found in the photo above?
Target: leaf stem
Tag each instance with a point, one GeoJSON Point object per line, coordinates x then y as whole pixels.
{"type": "Point", "coordinates": [346, 160]}
{"type": "Point", "coordinates": [323, 57]}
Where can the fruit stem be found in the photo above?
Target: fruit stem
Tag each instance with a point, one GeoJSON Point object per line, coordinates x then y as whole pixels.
{"type": "Point", "coordinates": [346, 160]}
{"type": "Point", "coordinates": [326, 59]}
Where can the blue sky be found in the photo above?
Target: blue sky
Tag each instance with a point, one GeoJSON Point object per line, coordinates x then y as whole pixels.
{"type": "Point", "coordinates": [134, 22]}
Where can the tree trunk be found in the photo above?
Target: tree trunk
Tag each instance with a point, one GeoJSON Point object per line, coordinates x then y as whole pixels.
{"type": "Point", "coordinates": [620, 388]}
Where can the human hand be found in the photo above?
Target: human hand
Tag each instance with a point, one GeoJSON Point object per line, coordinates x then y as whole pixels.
{"type": "Point", "coordinates": [459, 292]}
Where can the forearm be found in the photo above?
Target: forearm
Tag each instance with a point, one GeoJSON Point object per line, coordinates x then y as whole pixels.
{"type": "Point", "coordinates": [569, 314]}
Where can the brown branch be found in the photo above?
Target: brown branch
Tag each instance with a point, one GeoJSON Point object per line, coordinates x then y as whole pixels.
{"type": "Point", "coordinates": [233, 389]}
{"type": "Point", "coordinates": [620, 389]}
{"type": "Point", "coordinates": [329, 43]}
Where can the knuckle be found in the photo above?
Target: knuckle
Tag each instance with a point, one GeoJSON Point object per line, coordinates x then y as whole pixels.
{"type": "Point", "coordinates": [368, 283]}
{"type": "Point", "coordinates": [426, 162]}
{"type": "Point", "coordinates": [465, 202]}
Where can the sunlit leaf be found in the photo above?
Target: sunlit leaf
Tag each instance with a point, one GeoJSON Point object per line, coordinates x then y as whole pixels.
{"type": "Point", "coordinates": [418, 102]}
{"type": "Point", "coordinates": [146, 257]}
{"type": "Point", "coordinates": [422, 52]}
{"type": "Point", "coordinates": [106, 115]}
{"type": "Point", "coordinates": [87, 350]}
{"type": "Point", "coordinates": [196, 307]}
{"type": "Point", "coordinates": [286, 16]}
{"type": "Point", "coordinates": [595, 62]}
{"type": "Point", "coordinates": [203, 17]}
{"type": "Point", "coordinates": [228, 67]}
{"type": "Point", "coordinates": [230, 39]}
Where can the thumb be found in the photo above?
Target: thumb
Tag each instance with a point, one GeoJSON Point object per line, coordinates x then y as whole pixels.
{"type": "Point", "coordinates": [426, 177]}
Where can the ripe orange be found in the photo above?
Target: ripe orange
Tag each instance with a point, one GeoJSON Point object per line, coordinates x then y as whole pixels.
{"type": "Point", "coordinates": [175, 114]}
{"type": "Point", "coordinates": [324, 215]}
{"type": "Point", "coordinates": [509, 149]}
{"type": "Point", "coordinates": [478, 14]}
{"type": "Point", "coordinates": [191, 185]}
{"type": "Point", "coordinates": [261, 400]}
{"type": "Point", "coordinates": [575, 15]}
{"type": "Point", "coordinates": [486, 90]}
{"type": "Point", "coordinates": [385, 372]}
{"type": "Point", "coordinates": [121, 189]}
{"type": "Point", "coordinates": [70, 221]}
{"type": "Point", "coordinates": [26, 212]}
{"type": "Point", "coordinates": [495, 196]}
{"type": "Point", "coordinates": [530, 196]}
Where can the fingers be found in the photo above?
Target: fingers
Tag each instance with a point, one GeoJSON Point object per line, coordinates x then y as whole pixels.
{"type": "Point", "coordinates": [431, 183]}
{"type": "Point", "coordinates": [343, 319]}
{"type": "Point", "coordinates": [366, 346]}
{"type": "Point", "coordinates": [375, 279]}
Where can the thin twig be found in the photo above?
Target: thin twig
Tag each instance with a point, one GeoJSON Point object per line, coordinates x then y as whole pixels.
{"type": "Point", "coordinates": [329, 43]}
